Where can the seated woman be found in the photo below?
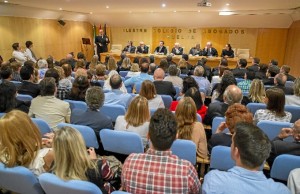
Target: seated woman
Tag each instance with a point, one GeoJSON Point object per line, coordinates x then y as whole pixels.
{"type": "Point", "coordinates": [80, 85]}
{"type": "Point", "coordinates": [149, 92]}
{"type": "Point", "coordinates": [256, 94]}
{"type": "Point", "coordinates": [8, 100]}
{"type": "Point", "coordinates": [21, 143]}
{"type": "Point", "coordinates": [73, 161]}
{"type": "Point", "coordinates": [275, 100]}
{"type": "Point", "coordinates": [182, 64]}
{"type": "Point", "coordinates": [67, 79]}
{"type": "Point", "coordinates": [100, 72]}
{"type": "Point", "coordinates": [227, 52]}
{"type": "Point", "coordinates": [136, 118]}
{"type": "Point", "coordinates": [227, 80]}
{"type": "Point", "coordinates": [195, 94]}
{"type": "Point", "coordinates": [134, 70]}
{"type": "Point", "coordinates": [126, 64]}
{"type": "Point", "coordinates": [294, 99]}
{"type": "Point", "coordinates": [234, 114]}
{"type": "Point", "coordinates": [188, 127]}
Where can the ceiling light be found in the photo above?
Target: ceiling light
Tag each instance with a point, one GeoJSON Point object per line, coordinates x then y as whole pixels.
{"type": "Point", "coordinates": [60, 8]}
{"type": "Point", "coordinates": [198, 11]}
{"type": "Point", "coordinates": [130, 11]}
{"type": "Point", "coordinates": [91, 12]}
{"type": "Point", "coordinates": [226, 13]}
{"type": "Point", "coordinates": [5, 1]}
{"type": "Point", "coordinates": [227, 4]}
{"type": "Point", "coordinates": [174, 11]}
{"type": "Point", "coordinates": [107, 7]}
{"type": "Point", "coordinates": [163, 5]}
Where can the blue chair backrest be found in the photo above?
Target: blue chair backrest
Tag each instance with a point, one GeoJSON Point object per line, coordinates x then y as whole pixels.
{"type": "Point", "coordinates": [253, 107]}
{"type": "Point", "coordinates": [113, 111]}
{"type": "Point", "coordinates": [54, 185]}
{"type": "Point", "coordinates": [129, 89]}
{"type": "Point", "coordinates": [283, 165]}
{"type": "Point", "coordinates": [273, 128]}
{"type": "Point", "coordinates": [42, 125]}
{"type": "Point", "coordinates": [87, 133]}
{"type": "Point", "coordinates": [119, 192]}
{"type": "Point", "coordinates": [184, 149]}
{"type": "Point", "coordinates": [77, 105]}
{"type": "Point", "coordinates": [17, 84]}
{"type": "Point", "coordinates": [123, 73]}
{"type": "Point", "coordinates": [177, 91]}
{"type": "Point", "coordinates": [289, 84]}
{"type": "Point", "coordinates": [19, 180]}
{"type": "Point", "coordinates": [294, 110]}
{"type": "Point", "coordinates": [221, 158]}
{"type": "Point", "coordinates": [167, 100]}
{"type": "Point", "coordinates": [122, 142]}
{"type": "Point", "coordinates": [245, 93]}
{"type": "Point", "coordinates": [138, 87]}
{"type": "Point", "coordinates": [215, 124]}
{"type": "Point", "coordinates": [24, 97]}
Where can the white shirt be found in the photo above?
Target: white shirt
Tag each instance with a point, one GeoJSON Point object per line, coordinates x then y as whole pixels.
{"type": "Point", "coordinates": [19, 56]}
{"type": "Point", "coordinates": [29, 55]}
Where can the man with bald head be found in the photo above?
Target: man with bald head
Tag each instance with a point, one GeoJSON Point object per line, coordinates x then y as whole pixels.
{"type": "Point", "coordinates": [177, 50]}
{"type": "Point", "coordinates": [232, 94]}
{"type": "Point", "coordinates": [209, 50]}
{"type": "Point", "coordinates": [163, 87]}
{"type": "Point", "coordinates": [101, 41]}
{"type": "Point", "coordinates": [279, 146]}
{"type": "Point", "coordinates": [138, 79]}
{"type": "Point", "coordinates": [142, 49]}
{"type": "Point", "coordinates": [279, 82]}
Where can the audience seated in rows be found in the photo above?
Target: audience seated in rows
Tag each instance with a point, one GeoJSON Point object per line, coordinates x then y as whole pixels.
{"type": "Point", "coordinates": [275, 100]}
{"type": "Point", "coordinates": [27, 75]}
{"type": "Point", "coordinates": [249, 149]}
{"type": "Point", "coordinates": [279, 82]}
{"type": "Point", "coordinates": [21, 143]}
{"type": "Point", "coordinates": [141, 172]}
{"type": "Point", "coordinates": [49, 108]}
{"type": "Point", "coordinates": [235, 113]}
{"type": "Point", "coordinates": [149, 92]}
{"type": "Point", "coordinates": [163, 87]}
{"type": "Point", "coordinates": [126, 64]}
{"type": "Point", "coordinates": [140, 78]}
{"type": "Point", "coordinates": [174, 76]}
{"type": "Point", "coordinates": [100, 72]}
{"type": "Point", "coordinates": [136, 118]}
{"type": "Point", "coordinates": [246, 83]}
{"type": "Point", "coordinates": [256, 94]}
{"type": "Point", "coordinates": [188, 127]}
{"type": "Point", "coordinates": [201, 80]}
{"type": "Point", "coordinates": [240, 71]}
{"type": "Point", "coordinates": [294, 99]}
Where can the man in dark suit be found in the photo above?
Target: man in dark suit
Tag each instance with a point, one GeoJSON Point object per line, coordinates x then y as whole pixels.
{"type": "Point", "coordinates": [163, 87]}
{"type": "Point", "coordinates": [240, 71]}
{"type": "Point", "coordinates": [129, 48]}
{"type": "Point", "coordinates": [279, 82]}
{"type": "Point", "coordinates": [177, 50]}
{"type": "Point", "coordinates": [101, 41]}
{"type": "Point", "coordinates": [209, 50]}
{"type": "Point", "coordinates": [161, 49]}
{"type": "Point", "coordinates": [271, 73]}
{"type": "Point", "coordinates": [28, 87]}
{"type": "Point", "coordinates": [285, 147]}
{"type": "Point", "coordinates": [286, 70]}
{"type": "Point", "coordinates": [255, 65]}
{"type": "Point", "coordinates": [232, 94]}
{"type": "Point", "coordinates": [142, 49]}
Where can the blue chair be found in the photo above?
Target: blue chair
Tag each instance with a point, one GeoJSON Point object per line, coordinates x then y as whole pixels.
{"type": "Point", "coordinates": [283, 165]}
{"type": "Point", "coordinates": [119, 192]}
{"type": "Point", "coordinates": [289, 84]}
{"type": "Point", "coordinates": [215, 124]}
{"type": "Point", "coordinates": [253, 107]}
{"type": "Point", "coordinates": [138, 87]}
{"type": "Point", "coordinates": [183, 75]}
{"type": "Point", "coordinates": [42, 125]}
{"type": "Point", "coordinates": [245, 93]}
{"type": "Point", "coordinates": [19, 180]}
{"type": "Point", "coordinates": [17, 84]}
{"type": "Point", "coordinates": [238, 80]}
{"type": "Point", "coordinates": [87, 133]}
{"type": "Point", "coordinates": [53, 185]}
{"type": "Point", "coordinates": [177, 91]}
{"type": "Point", "coordinates": [122, 142]}
{"type": "Point", "coordinates": [167, 100]}
{"type": "Point", "coordinates": [199, 118]}
{"type": "Point", "coordinates": [221, 158]}
{"type": "Point", "coordinates": [77, 105]}
{"type": "Point", "coordinates": [113, 111]}
{"type": "Point", "coordinates": [123, 73]}
{"type": "Point", "coordinates": [129, 89]}
{"type": "Point", "coordinates": [294, 110]}
{"type": "Point", "coordinates": [24, 97]}
{"type": "Point", "coordinates": [184, 149]}
{"type": "Point", "coordinates": [273, 128]}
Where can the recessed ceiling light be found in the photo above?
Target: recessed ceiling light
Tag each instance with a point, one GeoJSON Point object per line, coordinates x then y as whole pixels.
{"type": "Point", "coordinates": [226, 13]}
{"type": "Point", "coordinates": [60, 8]}
{"type": "Point", "coordinates": [107, 7]}
{"type": "Point", "coordinates": [227, 4]}
{"type": "Point", "coordinates": [198, 11]}
{"type": "Point", "coordinates": [174, 11]}
{"type": "Point", "coordinates": [91, 12]}
{"type": "Point", "coordinates": [130, 11]}
{"type": "Point", "coordinates": [5, 1]}
{"type": "Point", "coordinates": [163, 5]}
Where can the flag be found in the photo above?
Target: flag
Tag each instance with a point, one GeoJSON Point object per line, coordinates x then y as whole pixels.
{"type": "Point", "coordinates": [104, 29]}
{"type": "Point", "coordinates": [100, 27]}
{"type": "Point", "coordinates": [94, 31]}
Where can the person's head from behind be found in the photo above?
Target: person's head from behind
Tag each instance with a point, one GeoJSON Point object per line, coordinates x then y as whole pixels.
{"type": "Point", "coordinates": [152, 58]}
{"type": "Point", "coordinates": [115, 81]}
{"type": "Point", "coordinates": [28, 44]}
{"type": "Point", "coordinates": [16, 66]}
{"type": "Point", "coordinates": [54, 74]}
{"type": "Point", "coordinates": [173, 70]}
{"type": "Point", "coordinates": [42, 64]}
{"type": "Point", "coordinates": [274, 62]}
{"type": "Point", "coordinates": [186, 116]}
{"type": "Point", "coordinates": [71, 157]}
{"type": "Point", "coordinates": [169, 58]}
{"type": "Point", "coordinates": [296, 130]}
{"type": "Point", "coordinates": [138, 112]}
{"type": "Point", "coordinates": [6, 72]}
{"type": "Point", "coordinates": [111, 64]}
{"type": "Point", "coordinates": [8, 94]}
{"type": "Point", "coordinates": [250, 146]}
{"type": "Point", "coordinates": [257, 91]}
{"type": "Point", "coordinates": [194, 93]}
{"type": "Point", "coordinates": [256, 60]}
{"type": "Point", "coordinates": [188, 82]}
{"type": "Point", "coordinates": [80, 55]}
{"type": "Point", "coordinates": [144, 67]}
{"type": "Point", "coordinates": [163, 64]}
{"type": "Point", "coordinates": [100, 70]}
{"type": "Point", "coordinates": [222, 69]}
{"type": "Point", "coordinates": [20, 139]}
{"type": "Point", "coordinates": [199, 71]}
{"type": "Point", "coordinates": [162, 129]}
{"type": "Point", "coordinates": [232, 94]}
{"type": "Point", "coordinates": [159, 74]}
{"type": "Point", "coordinates": [79, 87]}
{"type": "Point", "coordinates": [237, 113]}
{"type": "Point", "coordinates": [275, 100]}
{"type": "Point", "coordinates": [223, 62]}
{"type": "Point", "coordinates": [27, 72]}
{"type": "Point", "coordinates": [185, 57]}
{"type": "Point", "coordinates": [296, 87]}
{"type": "Point", "coordinates": [243, 63]}
{"type": "Point", "coordinates": [126, 63]}
{"type": "Point", "coordinates": [67, 69]}
{"type": "Point", "coordinates": [249, 75]}
{"type": "Point", "coordinates": [47, 86]}
{"type": "Point", "coordinates": [94, 98]}
{"type": "Point", "coordinates": [280, 79]}
{"type": "Point", "coordinates": [148, 90]}
{"type": "Point", "coordinates": [272, 71]}
{"type": "Point", "coordinates": [263, 67]}
{"type": "Point", "coordinates": [16, 46]}
{"type": "Point", "coordinates": [182, 64]}
{"type": "Point", "coordinates": [227, 79]}
{"type": "Point", "coordinates": [135, 67]}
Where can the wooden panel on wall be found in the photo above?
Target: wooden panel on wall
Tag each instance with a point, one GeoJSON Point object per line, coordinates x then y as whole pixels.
{"type": "Point", "coordinates": [219, 37]}
{"type": "Point", "coordinates": [271, 44]}
{"type": "Point", "coordinates": [188, 38]}
{"type": "Point", "coordinates": [48, 36]}
{"type": "Point", "coordinates": [168, 35]}
{"type": "Point", "coordinates": [292, 56]}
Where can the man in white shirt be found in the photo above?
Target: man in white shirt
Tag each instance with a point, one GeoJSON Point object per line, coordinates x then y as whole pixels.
{"type": "Point", "coordinates": [28, 51]}
{"type": "Point", "coordinates": [18, 54]}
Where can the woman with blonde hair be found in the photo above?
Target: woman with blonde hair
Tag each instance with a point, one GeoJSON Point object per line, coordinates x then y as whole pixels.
{"type": "Point", "coordinates": [136, 118]}
{"type": "Point", "coordinates": [74, 162]}
{"type": "Point", "coordinates": [125, 66]}
{"type": "Point", "coordinates": [256, 94]}
{"type": "Point", "coordinates": [188, 127]}
{"type": "Point", "coordinates": [134, 70]}
{"type": "Point", "coordinates": [182, 64]}
{"type": "Point", "coordinates": [94, 62]}
{"type": "Point", "coordinates": [21, 143]}
{"type": "Point", "coordinates": [111, 64]}
{"type": "Point", "coordinates": [100, 72]}
{"type": "Point", "coordinates": [149, 92]}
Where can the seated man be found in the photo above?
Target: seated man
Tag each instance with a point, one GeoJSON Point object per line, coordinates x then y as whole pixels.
{"type": "Point", "coordinates": [209, 50]}
{"type": "Point", "coordinates": [48, 107]}
{"type": "Point", "coordinates": [161, 49]}
{"type": "Point", "coordinates": [271, 73]}
{"type": "Point", "coordinates": [157, 170]}
{"type": "Point", "coordinates": [240, 71]}
{"type": "Point", "coordinates": [116, 96]}
{"type": "Point", "coordinates": [249, 149]}
{"type": "Point", "coordinates": [173, 77]}
{"type": "Point", "coordinates": [284, 147]}
{"type": "Point", "coordinates": [142, 49]}
{"type": "Point", "coordinates": [177, 50]}
{"type": "Point", "coordinates": [279, 82]}
{"type": "Point", "coordinates": [255, 65]}
{"type": "Point", "coordinates": [246, 83]}
{"type": "Point", "coordinates": [163, 87]}
{"type": "Point", "coordinates": [28, 87]}
{"type": "Point", "coordinates": [196, 51]}
{"type": "Point", "coordinates": [286, 70]}
{"type": "Point", "coordinates": [6, 72]}
{"type": "Point", "coordinates": [129, 48]}
{"type": "Point", "coordinates": [139, 78]}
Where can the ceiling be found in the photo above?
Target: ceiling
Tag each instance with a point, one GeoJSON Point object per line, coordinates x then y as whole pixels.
{"type": "Point", "coordinates": [126, 13]}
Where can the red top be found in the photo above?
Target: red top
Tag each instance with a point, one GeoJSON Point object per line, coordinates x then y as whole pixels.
{"type": "Point", "coordinates": [201, 111]}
